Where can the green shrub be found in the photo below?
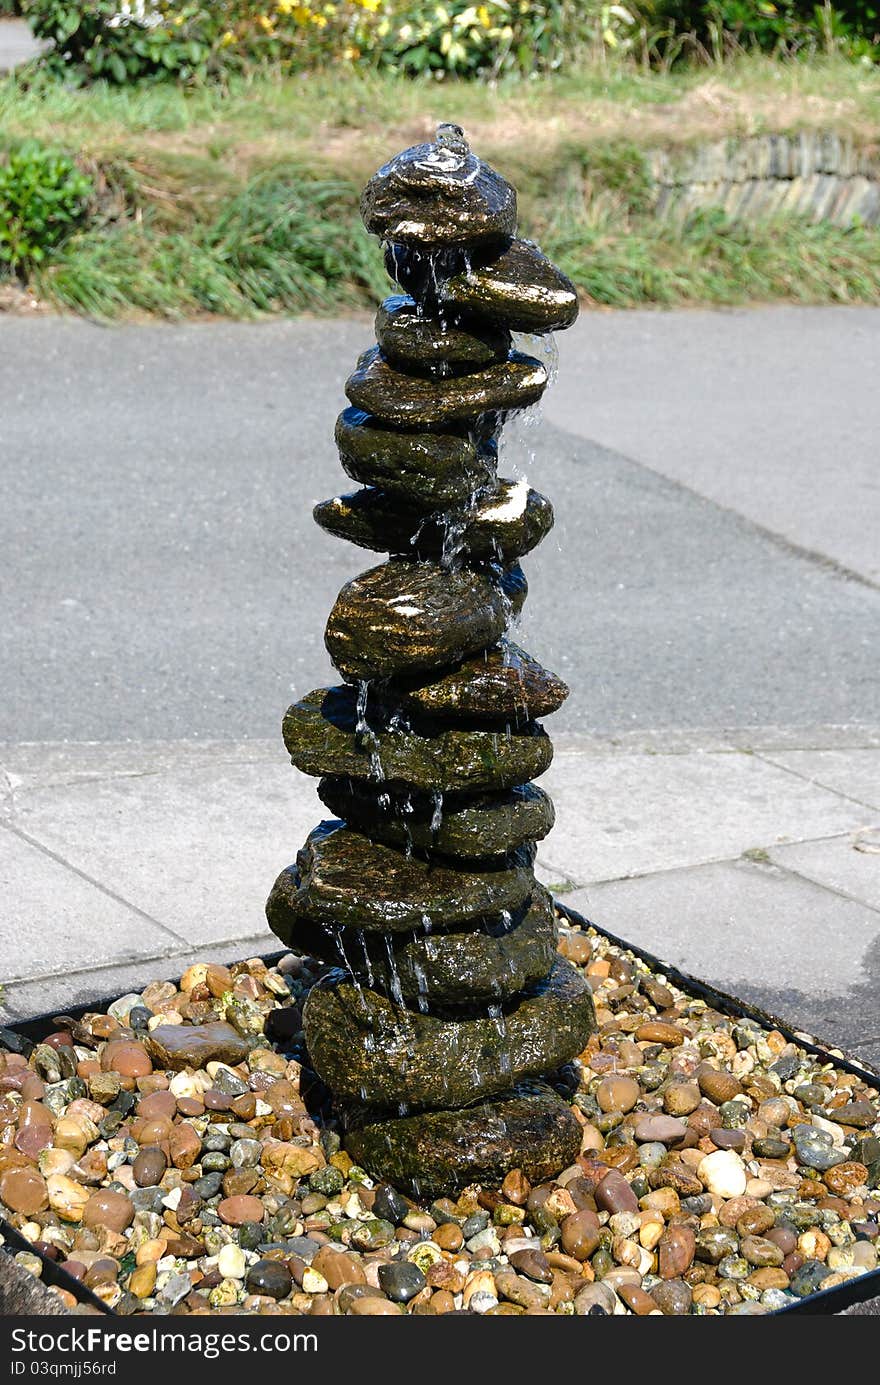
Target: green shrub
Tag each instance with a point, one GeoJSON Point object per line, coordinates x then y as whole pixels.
{"type": "Point", "coordinates": [123, 42]}
{"type": "Point", "coordinates": [43, 198]}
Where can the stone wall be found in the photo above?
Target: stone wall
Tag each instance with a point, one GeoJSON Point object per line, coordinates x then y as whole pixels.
{"type": "Point", "coordinates": [817, 174]}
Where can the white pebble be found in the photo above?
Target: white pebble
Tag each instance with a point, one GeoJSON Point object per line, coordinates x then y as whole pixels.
{"type": "Point", "coordinates": [723, 1173]}
{"type": "Point", "coordinates": [231, 1262]}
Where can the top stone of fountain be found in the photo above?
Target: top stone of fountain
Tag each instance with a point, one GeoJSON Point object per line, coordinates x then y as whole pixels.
{"type": "Point", "coordinates": [438, 196]}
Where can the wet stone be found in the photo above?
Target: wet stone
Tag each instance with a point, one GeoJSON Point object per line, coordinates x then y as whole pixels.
{"type": "Point", "coordinates": [815, 1148]}
{"type": "Point", "coordinates": [322, 737]}
{"type": "Point", "coordinates": [342, 879]}
{"type": "Point", "coordinates": [401, 1280]}
{"type": "Point", "coordinates": [439, 195]}
{"type": "Point", "coordinates": [444, 1151]}
{"type": "Point", "coordinates": [414, 401]}
{"type": "Point", "coordinates": [178, 1046]}
{"type": "Point", "coordinates": [520, 288]}
{"type": "Point", "coordinates": [505, 522]}
{"type": "Point", "coordinates": [493, 960]}
{"type": "Point", "coordinates": [404, 616]}
{"type": "Point", "coordinates": [270, 1277]}
{"type": "Point", "coordinates": [366, 1048]}
{"type": "Point", "coordinates": [149, 1165]}
{"type": "Point", "coordinates": [432, 469]}
{"type": "Point", "coordinates": [496, 684]}
{"type": "Point", "coordinates": [465, 828]}
{"type": "Point", "coordinates": [413, 339]}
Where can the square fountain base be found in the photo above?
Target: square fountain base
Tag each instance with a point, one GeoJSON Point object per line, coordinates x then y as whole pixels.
{"type": "Point", "coordinates": [22, 1293]}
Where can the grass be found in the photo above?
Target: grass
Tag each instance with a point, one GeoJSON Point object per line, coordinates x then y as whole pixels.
{"type": "Point", "coordinates": [243, 200]}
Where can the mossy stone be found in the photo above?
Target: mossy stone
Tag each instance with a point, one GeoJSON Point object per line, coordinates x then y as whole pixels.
{"type": "Point", "coordinates": [491, 961]}
{"type": "Point", "coordinates": [413, 339]}
{"type": "Point", "coordinates": [501, 682]}
{"type": "Point", "coordinates": [438, 1152]}
{"type": "Point", "coordinates": [367, 1048]}
{"type": "Point", "coordinates": [405, 615]}
{"type": "Point", "coordinates": [322, 737]}
{"type": "Point", "coordinates": [469, 828]}
{"type": "Point", "coordinates": [503, 523]}
{"type": "Point", "coordinates": [517, 286]}
{"type": "Point", "coordinates": [343, 880]}
{"type": "Point", "coordinates": [438, 194]}
{"type": "Point", "coordinates": [427, 469]}
{"type": "Point", "coordinates": [419, 401]}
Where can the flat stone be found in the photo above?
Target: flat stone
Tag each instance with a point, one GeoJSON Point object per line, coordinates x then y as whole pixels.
{"type": "Point", "coordinates": [179, 1046]}
{"type": "Point", "coordinates": [491, 962]}
{"type": "Point", "coordinates": [438, 195]}
{"type": "Point", "coordinates": [322, 737]}
{"type": "Point", "coordinates": [503, 682]}
{"type": "Point", "coordinates": [424, 402]}
{"type": "Point", "coordinates": [413, 338]}
{"type": "Point", "coordinates": [431, 469]}
{"type": "Point", "coordinates": [530, 1128]}
{"type": "Point", "coordinates": [464, 828]}
{"type": "Point", "coordinates": [367, 1049]}
{"type": "Point", "coordinates": [520, 287]}
{"type": "Point", "coordinates": [403, 616]}
{"type": "Point", "coordinates": [505, 522]}
{"type": "Point", "coordinates": [342, 879]}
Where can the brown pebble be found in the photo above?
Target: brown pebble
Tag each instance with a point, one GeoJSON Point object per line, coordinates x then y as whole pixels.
{"type": "Point", "coordinates": [189, 1106]}
{"type": "Point", "coordinates": [675, 1251]}
{"type": "Point", "coordinates": [159, 1103]}
{"type": "Point", "coordinates": [533, 1264]}
{"type": "Point", "coordinates": [614, 1194]}
{"type": "Point", "coordinates": [717, 1084]}
{"type": "Point", "coordinates": [660, 1129]}
{"type": "Point", "coordinates": [127, 1057]}
{"type": "Point", "coordinates": [149, 1166]}
{"type": "Point", "coordinates": [106, 1208]}
{"type": "Point", "coordinates": [617, 1093]}
{"type": "Point", "coordinates": [516, 1187]}
{"type": "Point", "coordinates": [659, 1032]}
{"type": "Point", "coordinates": [580, 1234]}
{"type": "Point", "coordinates": [143, 1280]}
{"type": "Point", "coordinates": [681, 1098]}
{"type": "Point", "coordinates": [577, 948]}
{"type": "Point", "coordinates": [24, 1190]}
{"type": "Point", "coordinates": [448, 1236]}
{"type": "Point", "coordinates": [844, 1179]}
{"type": "Point", "coordinates": [235, 1211]}
{"type": "Point", "coordinates": [637, 1300]}
{"type": "Point", "coordinates": [782, 1236]}
{"type": "Point", "coordinates": [184, 1145]}
{"type": "Point", "coordinates": [218, 980]}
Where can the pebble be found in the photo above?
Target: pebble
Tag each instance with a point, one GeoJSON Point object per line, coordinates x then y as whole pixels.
{"type": "Point", "coordinates": [618, 1093]}
{"type": "Point", "coordinates": [665, 1130]}
{"type": "Point", "coordinates": [269, 1277]}
{"type": "Point", "coordinates": [723, 1173]}
{"type": "Point", "coordinates": [109, 1209]}
{"type": "Point", "coordinates": [149, 1166]}
{"type": "Point", "coordinates": [401, 1280]}
{"type": "Point", "coordinates": [235, 1211]}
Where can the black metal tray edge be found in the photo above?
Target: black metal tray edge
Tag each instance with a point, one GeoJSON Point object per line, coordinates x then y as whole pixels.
{"type": "Point", "coordinates": [824, 1302]}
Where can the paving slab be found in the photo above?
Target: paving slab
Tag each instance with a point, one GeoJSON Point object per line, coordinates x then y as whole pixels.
{"type": "Point", "coordinates": [852, 772]}
{"type": "Point", "coordinates": [196, 847]}
{"type": "Point", "coordinates": [53, 918]}
{"type": "Point", "coordinates": [621, 815]}
{"type": "Point", "coordinates": [17, 44]}
{"type": "Point", "coordinates": [837, 864]}
{"type": "Point", "coordinates": [758, 932]}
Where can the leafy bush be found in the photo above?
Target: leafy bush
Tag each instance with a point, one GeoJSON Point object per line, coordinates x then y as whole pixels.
{"type": "Point", "coordinates": [43, 198]}
{"type": "Point", "coordinates": [134, 40]}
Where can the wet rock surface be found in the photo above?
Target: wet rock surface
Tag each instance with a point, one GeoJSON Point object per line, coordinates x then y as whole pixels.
{"type": "Point", "coordinates": [429, 469]}
{"type": "Point", "coordinates": [502, 524]}
{"type": "Point", "coordinates": [412, 340]}
{"type": "Point", "coordinates": [437, 195]}
{"type": "Point", "coordinates": [367, 1048]}
{"type": "Point", "coordinates": [503, 682]}
{"type": "Point", "coordinates": [490, 961]}
{"type": "Point", "coordinates": [322, 737]}
{"type": "Point", "coordinates": [465, 828]}
{"type": "Point", "coordinates": [405, 615]}
{"type": "Point", "coordinates": [415, 401]}
{"type": "Point", "coordinates": [343, 879]}
{"type": "Point", "coordinates": [520, 288]}
{"type": "Point", "coordinates": [439, 1152]}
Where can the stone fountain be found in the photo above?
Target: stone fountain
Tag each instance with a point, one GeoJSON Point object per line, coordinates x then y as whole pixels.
{"type": "Point", "coordinates": [445, 1024]}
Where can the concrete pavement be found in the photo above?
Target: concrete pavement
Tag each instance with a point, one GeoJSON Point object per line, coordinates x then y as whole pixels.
{"type": "Point", "coordinates": [717, 776]}
{"type": "Point", "coordinates": [17, 44]}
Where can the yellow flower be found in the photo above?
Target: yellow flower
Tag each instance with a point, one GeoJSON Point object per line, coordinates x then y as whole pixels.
{"type": "Point", "coordinates": [483, 16]}
{"type": "Point", "coordinates": [265, 23]}
{"type": "Point", "coordinates": [320, 20]}
{"type": "Point", "coordinates": [371, 5]}
{"type": "Point", "coordinates": [227, 39]}
{"type": "Point", "coordinates": [284, 6]}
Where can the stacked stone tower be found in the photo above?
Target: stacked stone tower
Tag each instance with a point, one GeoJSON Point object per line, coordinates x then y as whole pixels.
{"type": "Point", "coordinates": [452, 1007]}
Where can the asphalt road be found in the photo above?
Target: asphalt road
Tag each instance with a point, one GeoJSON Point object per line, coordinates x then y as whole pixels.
{"type": "Point", "coordinates": [714, 562]}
